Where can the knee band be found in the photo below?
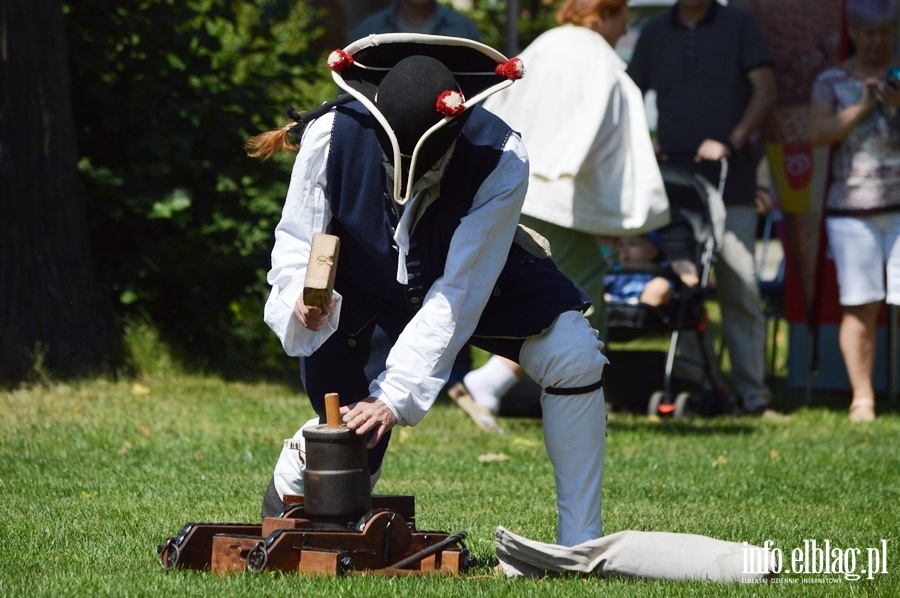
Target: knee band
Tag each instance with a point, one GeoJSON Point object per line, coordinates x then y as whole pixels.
{"type": "Point", "coordinates": [575, 390]}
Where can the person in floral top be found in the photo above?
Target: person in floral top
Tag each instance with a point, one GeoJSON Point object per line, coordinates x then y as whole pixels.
{"type": "Point", "coordinates": [856, 109]}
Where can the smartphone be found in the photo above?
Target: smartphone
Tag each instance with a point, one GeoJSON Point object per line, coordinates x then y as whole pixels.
{"type": "Point", "coordinates": [893, 76]}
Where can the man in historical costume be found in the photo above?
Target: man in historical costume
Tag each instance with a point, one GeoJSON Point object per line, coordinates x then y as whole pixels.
{"type": "Point", "coordinates": [424, 189]}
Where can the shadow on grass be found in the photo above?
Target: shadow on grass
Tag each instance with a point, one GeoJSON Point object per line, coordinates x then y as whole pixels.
{"type": "Point", "coordinates": [691, 426]}
{"type": "Point", "coordinates": [523, 401]}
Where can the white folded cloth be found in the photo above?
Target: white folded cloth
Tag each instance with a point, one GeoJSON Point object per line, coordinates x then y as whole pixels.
{"type": "Point", "coordinates": [648, 555]}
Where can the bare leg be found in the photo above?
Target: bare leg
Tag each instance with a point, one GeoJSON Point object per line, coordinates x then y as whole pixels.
{"type": "Point", "coordinates": [657, 292]}
{"type": "Point", "coordinates": [858, 347]}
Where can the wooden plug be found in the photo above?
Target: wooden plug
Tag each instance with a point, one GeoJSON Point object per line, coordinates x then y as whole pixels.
{"type": "Point", "coordinates": [332, 410]}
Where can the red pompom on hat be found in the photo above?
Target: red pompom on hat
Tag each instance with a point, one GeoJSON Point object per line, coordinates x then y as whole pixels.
{"type": "Point", "coordinates": [451, 103]}
{"type": "Point", "coordinates": [512, 69]}
{"type": "Point", "coordinates": [338, 60]}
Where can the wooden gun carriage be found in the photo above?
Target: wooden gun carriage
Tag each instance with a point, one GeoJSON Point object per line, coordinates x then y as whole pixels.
{"type": "Point", "coordinates": [337, 527]}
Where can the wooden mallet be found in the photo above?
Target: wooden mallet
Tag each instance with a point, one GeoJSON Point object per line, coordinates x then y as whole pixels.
{"type": "Point", "coordinates": [323, 257]}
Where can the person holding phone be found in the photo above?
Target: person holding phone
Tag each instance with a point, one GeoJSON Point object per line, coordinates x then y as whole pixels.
{"type": "Point", "coordinates": [854, 108]}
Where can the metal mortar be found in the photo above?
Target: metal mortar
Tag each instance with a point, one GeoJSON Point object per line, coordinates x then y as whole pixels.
{"type": "Point", "coordinates": [336, 481]}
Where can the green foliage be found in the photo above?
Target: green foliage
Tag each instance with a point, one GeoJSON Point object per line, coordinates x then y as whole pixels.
{"type": "Point", "coordinates": [165, 93]}
{"type": "Point", "coordinates": [94, 476]}
{"type": "Point", "coordinates": [535, 17]}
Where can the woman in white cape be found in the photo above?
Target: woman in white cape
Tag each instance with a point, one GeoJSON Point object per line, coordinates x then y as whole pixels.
{"type": "Point", "coordinates": [594, 174]}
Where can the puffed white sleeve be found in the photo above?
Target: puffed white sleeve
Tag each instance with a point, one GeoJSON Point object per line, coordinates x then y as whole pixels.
{"type": "Point", "coordinates": [419, 364]}
{"type": "Point", "coordinates": [306, 211]}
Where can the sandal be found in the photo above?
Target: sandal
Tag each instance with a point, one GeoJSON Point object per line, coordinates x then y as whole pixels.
{"type": "Point", "coordinates": [862, 410]}
{"type": "Point", "coordinates": [481, 415]}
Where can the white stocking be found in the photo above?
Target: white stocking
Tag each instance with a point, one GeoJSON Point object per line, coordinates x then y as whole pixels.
{"type": "Point", "coordinates": [490, 382]}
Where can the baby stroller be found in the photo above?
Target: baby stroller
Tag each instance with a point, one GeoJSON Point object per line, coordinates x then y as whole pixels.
{"type": "Point", "coordinates": [692, 383]}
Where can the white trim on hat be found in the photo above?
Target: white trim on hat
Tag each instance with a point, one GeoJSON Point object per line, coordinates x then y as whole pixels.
{"type": "Point", "coordinates": [377, 39]}
{"type": "Point", "coordinates": [390, 133]}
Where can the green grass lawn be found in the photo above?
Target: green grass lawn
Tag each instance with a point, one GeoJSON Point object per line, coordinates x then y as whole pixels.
{"type": "Point", "coordinates": [94, 475]}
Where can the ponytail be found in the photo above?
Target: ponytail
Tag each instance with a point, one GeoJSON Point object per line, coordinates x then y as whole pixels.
{"type": "Point", "coordinates": [265, 145]}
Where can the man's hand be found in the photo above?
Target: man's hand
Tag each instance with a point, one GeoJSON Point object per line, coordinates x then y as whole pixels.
{"type": "Point", "coordinates": [687, 272]}
{"type": "Point", "coordinates": [763, 201]}
{"type": "Point", "coordinates": [313, 318]}
{"type": "Point", "coordinates": [369, 415]}
{"type": "Point", "coordinates": [713, 150]}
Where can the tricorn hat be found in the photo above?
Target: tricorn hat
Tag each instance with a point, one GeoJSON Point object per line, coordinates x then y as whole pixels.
{"type": "Point", "coordinates": [420, 89]}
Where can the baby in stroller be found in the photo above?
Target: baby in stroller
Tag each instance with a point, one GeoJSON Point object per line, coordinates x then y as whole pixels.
{"type": "Point", "coordinates": [660, 286]}
{"type": "Point", "coordinates": [643, 277]}
{"type": "Point", "coordinates": [643, 285]}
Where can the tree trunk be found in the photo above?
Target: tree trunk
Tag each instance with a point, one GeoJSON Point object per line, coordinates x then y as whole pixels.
{"type": "Point", "coordinates": [53, 317]}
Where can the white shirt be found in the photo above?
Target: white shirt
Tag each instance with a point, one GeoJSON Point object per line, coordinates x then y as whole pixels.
{"type": "Point", "coordinates": [593, 168]}
{"type": "Point", "coordinates": [419, 363]}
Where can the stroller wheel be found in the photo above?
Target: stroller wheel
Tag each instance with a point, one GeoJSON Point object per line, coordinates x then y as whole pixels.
{"type": "Point", "coordinates": [653, 407]}
{"type": "Point", "coordinates": [681, 405]}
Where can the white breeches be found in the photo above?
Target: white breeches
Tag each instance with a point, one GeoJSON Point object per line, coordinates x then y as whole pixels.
{"type": "Point", "coordinates": [568, 355]}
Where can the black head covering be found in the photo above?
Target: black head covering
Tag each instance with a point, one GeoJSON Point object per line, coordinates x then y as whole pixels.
{"type": "Point", "coordinates": [408, 99]}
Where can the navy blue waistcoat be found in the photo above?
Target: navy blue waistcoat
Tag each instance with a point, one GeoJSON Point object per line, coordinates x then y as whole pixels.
{"type": "Point", "coordinates": [364, 217]}
{"type": "Point", "coordinates": [530, 292]}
